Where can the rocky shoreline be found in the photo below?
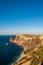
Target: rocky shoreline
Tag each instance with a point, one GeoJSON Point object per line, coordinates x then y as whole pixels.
{"type": "Point", "coordinates": [31, 44]}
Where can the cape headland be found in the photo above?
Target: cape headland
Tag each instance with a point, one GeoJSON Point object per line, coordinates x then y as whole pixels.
{"type": "Point", "coordinates": [32, 44]}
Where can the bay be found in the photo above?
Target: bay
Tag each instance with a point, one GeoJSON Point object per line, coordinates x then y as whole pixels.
{"type": "Point", "coordinates": [9, 52]}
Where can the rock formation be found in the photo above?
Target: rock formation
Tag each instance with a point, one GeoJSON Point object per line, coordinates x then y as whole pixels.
{"type": "Point", "coordinates": [26, 41]}
{"type": "Point", "coordinates": [33, 49]}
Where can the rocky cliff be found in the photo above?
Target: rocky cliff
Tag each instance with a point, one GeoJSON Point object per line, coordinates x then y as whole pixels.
{"type": "Point", "coordinates": [26, 41]}
{"type": "Point", "coordinates": [33, 46]}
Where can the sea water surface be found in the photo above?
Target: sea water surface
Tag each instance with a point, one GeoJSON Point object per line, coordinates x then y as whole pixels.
{"type": "Point", "coordinates": [9, 52]}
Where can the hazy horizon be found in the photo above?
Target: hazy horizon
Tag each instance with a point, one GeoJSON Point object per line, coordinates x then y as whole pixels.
{"type": "Point", "coordinates": [21, 16]}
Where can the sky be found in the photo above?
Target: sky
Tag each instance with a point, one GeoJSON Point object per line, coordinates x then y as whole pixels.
{"type": "Point", "coordinates": [21, 16]}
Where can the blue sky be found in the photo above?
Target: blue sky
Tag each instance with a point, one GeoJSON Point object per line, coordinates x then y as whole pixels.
{"type": "Point", "coordinates": [21, 16]}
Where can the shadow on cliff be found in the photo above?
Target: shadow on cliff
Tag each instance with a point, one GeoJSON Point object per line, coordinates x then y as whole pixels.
{"type": "Point", "coordinates": [9, 53]}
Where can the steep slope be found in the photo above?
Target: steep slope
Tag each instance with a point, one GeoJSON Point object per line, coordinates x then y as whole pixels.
{"type": "Point", "coordinates": [26, 41]}
{"type": "Point", "coordinates": [33, 49]}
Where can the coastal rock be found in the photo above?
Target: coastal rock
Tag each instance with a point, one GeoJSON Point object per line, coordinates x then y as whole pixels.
{"type": "Point", "coordinates": [26, 41]}
{"type": "Point", "coordinates": [32, 44]}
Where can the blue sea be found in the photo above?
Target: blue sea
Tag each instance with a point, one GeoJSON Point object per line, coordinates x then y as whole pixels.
{"type": "Point", "coordinates": [9, 52]}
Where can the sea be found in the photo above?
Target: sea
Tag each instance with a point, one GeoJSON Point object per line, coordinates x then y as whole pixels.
{"type": "Point", "coordinates": [9, 52]}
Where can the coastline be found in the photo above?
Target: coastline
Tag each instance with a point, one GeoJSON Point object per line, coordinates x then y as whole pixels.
{"type": "Point", "coordinates": [30, 43]}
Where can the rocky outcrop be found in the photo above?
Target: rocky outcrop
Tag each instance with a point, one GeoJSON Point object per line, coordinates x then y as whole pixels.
{"type": "Point", "coordinates": [33, 49]}
{"type": "Point", "coordinates": [26, 41]}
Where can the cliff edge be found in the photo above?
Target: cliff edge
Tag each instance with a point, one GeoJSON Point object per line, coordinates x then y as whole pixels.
{"type": "Point", "coordinates": [33, 49]}
{"type": "Point", "coordinates": [26, 41]}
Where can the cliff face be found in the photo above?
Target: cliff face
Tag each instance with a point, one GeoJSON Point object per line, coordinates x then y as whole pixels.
{"type": "Point", "coordinates": [33, 49]}
{"type": "Point", "coordinates": [26, 41]}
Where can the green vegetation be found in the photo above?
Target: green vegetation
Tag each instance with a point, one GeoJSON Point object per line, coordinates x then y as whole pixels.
{"type": "Point", "coordinates": [36, 56]}
{"type": "Point", "coordinates": [35, 61]}
{"type": "Point", "coordinates": [26, 52]}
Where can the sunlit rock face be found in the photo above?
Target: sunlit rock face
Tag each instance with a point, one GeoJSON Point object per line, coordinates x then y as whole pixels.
{"type": "Point", "coordinates": [26, 41]}
{"type": "Point", "coordinates": [33, 49]}
{"type": "Point", "coordinates": [41, 39]}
